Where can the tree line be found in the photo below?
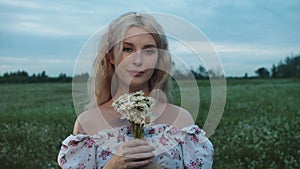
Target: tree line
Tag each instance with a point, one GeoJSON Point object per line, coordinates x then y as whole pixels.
{"type": "Point", "coordinates": [288, 68]}
{"type": "Point", "coordinates": [24, 77]}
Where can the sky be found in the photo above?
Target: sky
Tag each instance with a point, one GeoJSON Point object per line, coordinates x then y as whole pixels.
{"type": "Point", "coordinates": [49, 35]}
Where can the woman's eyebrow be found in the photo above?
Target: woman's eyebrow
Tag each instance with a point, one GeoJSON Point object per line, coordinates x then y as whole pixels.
{"type": "Point", "coordinates": [128, 43]}
{"type": "Point", "coordinates": [144, 47]}
{"type": "Point", "coordinates": [149, 46]}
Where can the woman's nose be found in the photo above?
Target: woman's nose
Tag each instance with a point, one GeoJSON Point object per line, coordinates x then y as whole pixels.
{"type": "Point", "coordinates": [138, 58]}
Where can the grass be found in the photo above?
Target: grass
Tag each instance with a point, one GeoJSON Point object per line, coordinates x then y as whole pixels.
{"type": "Point", "coordinates": [34, 119]}
{"type": "Point", "coordinates": [260, 127]}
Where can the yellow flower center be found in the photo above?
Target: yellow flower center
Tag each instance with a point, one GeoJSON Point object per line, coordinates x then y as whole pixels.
{"type": "Point", "coordinates": [148, 120]}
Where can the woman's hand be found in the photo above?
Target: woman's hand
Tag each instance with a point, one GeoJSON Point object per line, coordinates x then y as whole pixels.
{"type": "Point", "coordinates": [131, 154]}
{"type": "Point", "coordinates": [152, 165]}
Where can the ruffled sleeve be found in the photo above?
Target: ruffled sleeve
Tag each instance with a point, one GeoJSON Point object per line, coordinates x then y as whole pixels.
{"type": "Point", "coordinates": [78, 152]}
{"type": "Point", "coordinates": [197, 150]}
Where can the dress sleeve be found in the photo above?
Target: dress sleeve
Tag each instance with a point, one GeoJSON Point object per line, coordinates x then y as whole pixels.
{"type": "Point", "coordinates": [77, 152]}
{"type": "Point", "coordinates": [197, 149]}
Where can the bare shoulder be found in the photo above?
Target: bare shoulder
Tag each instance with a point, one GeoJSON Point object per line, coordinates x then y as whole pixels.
{"type": "Point", "coordinates": [183, 118]}
{"type": "Point", "coordinates": [86, 121]}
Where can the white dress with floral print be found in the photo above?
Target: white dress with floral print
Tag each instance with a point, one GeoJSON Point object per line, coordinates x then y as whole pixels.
{"type": "Point", "coordinates": [175, 148]}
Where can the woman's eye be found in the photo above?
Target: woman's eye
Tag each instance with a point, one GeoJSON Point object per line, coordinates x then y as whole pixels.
{"type": "Point", "coordinates": [149, 51]}
{"type": "Point", "coordinates": [127, 50]}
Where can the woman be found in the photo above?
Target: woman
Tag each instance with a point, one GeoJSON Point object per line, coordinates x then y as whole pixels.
{"type": "Point", "coordinates": [133, 56]}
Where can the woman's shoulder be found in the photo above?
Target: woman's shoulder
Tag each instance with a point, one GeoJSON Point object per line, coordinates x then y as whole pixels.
{"type": "Point", "coordinates": [88, 122]}
{"type": "Point", "coordinates": [180, 117]}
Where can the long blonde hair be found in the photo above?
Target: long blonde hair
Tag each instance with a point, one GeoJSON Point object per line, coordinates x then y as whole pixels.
{"type": "Point", "coordinates": [100, 81]}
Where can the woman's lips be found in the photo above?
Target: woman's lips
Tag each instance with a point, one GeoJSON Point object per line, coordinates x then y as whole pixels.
{"type": "Point", "coordinates": [136, 73]}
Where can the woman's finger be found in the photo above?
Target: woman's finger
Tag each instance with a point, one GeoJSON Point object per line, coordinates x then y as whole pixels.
{"type": "Point", "coordinates": [141, 149]}
{"type": "Point", "coordinates": [134, 164]}
{"type": "Point", "coordinates": [139, 156]}
{"type": "Point", "coordinates": [136, 142]}
{"type": "Point", "coordinates": [135, 147]}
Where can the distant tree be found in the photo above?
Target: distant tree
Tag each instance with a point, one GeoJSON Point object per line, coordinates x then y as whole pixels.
{"type": "Point", "coordinates": [22, 73]}
{"type": "Point", "coordinates": [180, 75]}
{"type": "Point", "coordinates": [200, 73]}
{"type": "Point", "coordinates": [262, 72]}
{"type": "Point", "coordinates": [216, 72]}
{"type": "Point", "coordinates": [81, 77]}
{"type": "Point", "coordinates": [274, 71]}
{"type": "Point", "coordinates": [290, 67]}
{"type": "Point", "coordinates": [6, 74]}
{"type": "Point", "coordinates": [44, 74]}
{"type": "Point", "coordinates": [23, 77]}
{"type": "Point", "coordinates": [212, 73]}
{"type": "Point", "coordinates": [62, 75]}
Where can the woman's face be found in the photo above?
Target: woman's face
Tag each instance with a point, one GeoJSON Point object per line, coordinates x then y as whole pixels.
{"type": "Point", "coordinates": [138, 60]}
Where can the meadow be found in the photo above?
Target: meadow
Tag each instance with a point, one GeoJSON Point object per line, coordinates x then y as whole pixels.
{"type": "Point", "coordinates": [260, 127]}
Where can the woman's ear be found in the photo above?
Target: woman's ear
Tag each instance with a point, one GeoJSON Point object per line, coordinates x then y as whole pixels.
{"type": "Point", "coordinates": [111, 59]}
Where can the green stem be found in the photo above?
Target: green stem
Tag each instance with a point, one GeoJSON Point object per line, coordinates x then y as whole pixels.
{"type": "Point", "coordinates": [137, 130]}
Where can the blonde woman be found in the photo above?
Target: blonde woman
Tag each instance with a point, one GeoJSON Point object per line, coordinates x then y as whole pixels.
{"type": "Point", "coordinates": [134, 56]}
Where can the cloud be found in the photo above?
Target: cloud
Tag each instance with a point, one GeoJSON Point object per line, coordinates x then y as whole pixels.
{"type": "Point", "coordinates": [239, 58]}
{"type": "Point", "coordinates": [245, 34]}
{"type": "Point", "coordinates": [21, 4]}
{"type": "Point", "coordinates": [255, 51]}
{"type": "Point", "coordinates": [49, 18]}
{"type": "Point", "coordinates": [236, 58]}
{"type": "Point", "coordinates": [38, 29]}
{"type": "Point", "coordinates": [252, 21]}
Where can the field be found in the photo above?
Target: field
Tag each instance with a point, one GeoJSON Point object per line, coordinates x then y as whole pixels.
{"type": "Point", "coordinates": [260, 127]}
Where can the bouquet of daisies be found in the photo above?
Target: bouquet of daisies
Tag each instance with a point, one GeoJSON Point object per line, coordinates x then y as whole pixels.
{"type": "Point", "coordinates": [135, 107]}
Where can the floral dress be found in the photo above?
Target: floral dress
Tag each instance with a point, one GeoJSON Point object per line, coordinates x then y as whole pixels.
{"type": "Point", "coordinates": [174, 148]}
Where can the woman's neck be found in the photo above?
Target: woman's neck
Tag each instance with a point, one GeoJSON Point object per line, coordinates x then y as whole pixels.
{"type": "Point", "coordinates": [122, 91]}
